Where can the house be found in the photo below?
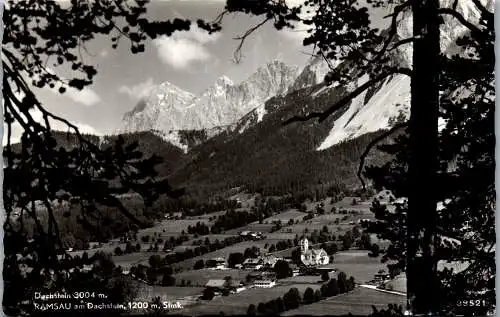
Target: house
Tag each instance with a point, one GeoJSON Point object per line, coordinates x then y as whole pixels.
{"type": "Point", "coordinates": [264, 283]}
{"type": "Point", "coordinates": [219, 285]}
{"type": "Point", "coordinates": [216, 285]}
{"type": "Point", "coordinates": [220, 263]}
{"type": "Point", "coordinates": [269, 260]}
{"type": "Point", "coordinates": [382, 276]}
{"type": "Point", "coordinates": [257, 236]}
{"type": "Point", "coordinates": [295, 269]}
{"type": "Point", "coordinates": [87, 267]}
{"type": "Point", "coordinates": [311, 257]}
{"type": "Point", "coordinates": [253, 276]}
{"type": "Point", "coordinates": [252, 264]}
{"type": "Point", "coordinates": [362, 221]}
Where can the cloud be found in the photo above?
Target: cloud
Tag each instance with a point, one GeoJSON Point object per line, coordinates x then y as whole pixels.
{"type": "Point", "coordinates": [104, 53]}
{"type": "Point", "coordinates": [183, 49]}
{"type": "Point", "coordinates": [55, 126]}
{"type": "Point", "coordinates": [86, 97]}
{"type": "Point", "coordinates": [138, 91]}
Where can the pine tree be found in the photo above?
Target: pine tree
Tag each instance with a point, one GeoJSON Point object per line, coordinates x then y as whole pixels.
{"type": "Point", "coordinates": [40, 169]}
{"type": "Point", "coordinates": [341, 30]}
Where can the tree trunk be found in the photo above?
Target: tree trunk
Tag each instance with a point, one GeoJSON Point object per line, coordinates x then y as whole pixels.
{"type": "Point", "coordinates": [422, 281]}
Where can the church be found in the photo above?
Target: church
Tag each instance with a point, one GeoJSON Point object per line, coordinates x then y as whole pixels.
{"type": "Point", "coordinates": [311, 257]}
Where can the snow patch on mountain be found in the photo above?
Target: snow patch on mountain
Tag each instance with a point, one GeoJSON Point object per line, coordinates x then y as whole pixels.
{"type": "Point", "coordinates": [164, 105]}
{"type": "Point", "coordinates": [172, 137]}
{"type": "Point", "coordinates": [370, 114]}
{"type": "Point", "coordinates": [169, 108]}
{"type": "Point", "coordinates": [261, 112]}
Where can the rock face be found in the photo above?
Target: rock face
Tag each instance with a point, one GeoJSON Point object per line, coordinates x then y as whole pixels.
{"type": "Point", "coordinates": [226, 107]}
{"type": "Point", "coordinates": [384, 105]}
{"type": "Point", "coordinates": [169, 108]}
{"type": "Point", "coordinates": [165, 105]}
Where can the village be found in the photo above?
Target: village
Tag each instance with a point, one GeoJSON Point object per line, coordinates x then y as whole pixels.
{"type": "Point", "coordinates": [305, 250]}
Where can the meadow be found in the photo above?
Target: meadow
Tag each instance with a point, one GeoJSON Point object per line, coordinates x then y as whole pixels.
{"type": "Point", "coordinates": [201, 277]}
{"type": "Point", "coordinates": [237, 304]}
{"type": "Point", "coordinates": [357, 302]}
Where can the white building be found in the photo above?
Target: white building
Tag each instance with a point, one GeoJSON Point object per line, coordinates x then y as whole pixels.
{"type": "Point", "coordinates": [220, 263]}
{"type": "Point", "coordinates": [264, 283]}
{"type": "Point", "coordinates": [252, 264]}
{"type": "Point", "coordinates": [312, 256]}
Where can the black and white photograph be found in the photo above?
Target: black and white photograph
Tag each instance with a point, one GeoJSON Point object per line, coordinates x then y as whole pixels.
{"type": "Point", "coordinates": [248, 158]}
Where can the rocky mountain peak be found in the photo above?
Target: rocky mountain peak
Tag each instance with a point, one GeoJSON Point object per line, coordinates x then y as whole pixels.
{"type": "Point", "coordinates": [169, 108]}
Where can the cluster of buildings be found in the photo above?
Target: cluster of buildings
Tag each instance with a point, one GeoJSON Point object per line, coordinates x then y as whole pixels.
{"type": "Point", "coordinates": [309, 257]}
{"type": "Point", "coordinates": [252, 235]}
{"type": "Point", "coordinates": [312, 257]}
{"type": "Point", "coordinates": [220, 286]}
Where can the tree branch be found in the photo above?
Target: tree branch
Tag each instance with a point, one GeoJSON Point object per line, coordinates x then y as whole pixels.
{"type": "Point", "coordinates": [372, 144]}
{"type": "Point", "coordinates": [393, 30]}
{"type": "Point", "coordinates": [242, 38]}
{"type": "Point", "coordinates": [322, 116]}
{"type": "Point", "coordinates": [474, 29]}
{"type": "Point", "coordinates": [402, 42]}
{"type": "Point", "coordinates": [482, 8]}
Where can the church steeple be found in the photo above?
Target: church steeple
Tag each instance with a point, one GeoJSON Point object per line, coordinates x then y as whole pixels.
{"type": "Point", "coordinates": [304, 246]}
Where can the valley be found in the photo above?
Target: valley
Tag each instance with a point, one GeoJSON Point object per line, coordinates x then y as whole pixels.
{"type": "Point", "coordinates": [325, 222]}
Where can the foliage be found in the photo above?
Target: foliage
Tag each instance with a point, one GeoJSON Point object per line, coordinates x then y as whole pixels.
{"type": "Point", "coordinates": [40, 172]}
{"type": "Point", "coordinates": [325, 276]}
{"type": "Point", "coordinates": [282, 269]}
{"type": "Point", "coordinates": [235, 258]}
{"type": "Point", "coordinates": [200, 264]}
{"type": "Point", "coordinates": [292, 299]}
{"type": "Point", "coordinates": [252, 311]}
{"type": "Point", "coordinates": [341, 30]}
{"type": "Point", "coordinates": [309, 296]}
{"type": "Point", "coordinates": [208, 294]}
{"type": "Point", "coordinates": [465, 178]}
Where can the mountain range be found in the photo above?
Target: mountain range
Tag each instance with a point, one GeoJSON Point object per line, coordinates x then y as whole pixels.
{"type": "Point", "coordinates": [225, 107]}
{"type": "Point", "coordinates": [232, 134]}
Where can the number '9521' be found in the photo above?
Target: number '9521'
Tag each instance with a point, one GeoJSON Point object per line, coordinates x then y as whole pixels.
{"type": "Point", "coordinates": [471, 303]}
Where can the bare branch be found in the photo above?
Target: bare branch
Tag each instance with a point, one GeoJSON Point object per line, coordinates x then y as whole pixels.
{"type": "Point", "coordinates": [242, 38]}
{"type": "Point", "coordinates": [402, 42]}
{"type": "Point", "coordinates": [482, 8]}
{"type": "Point", "coordinates": [322, 116]}
{"type": "Point", "coordinates": [372, 144]}
{"type": "Point", "coordinates": [474, 29]}
{"type": "Point", "coordinates": [393, 30]}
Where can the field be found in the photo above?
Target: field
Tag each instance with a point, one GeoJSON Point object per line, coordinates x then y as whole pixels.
{"type": "Point", "coordinates": [358, 264]}
{"type": "Point", "coordinates": [206, 217]}
{"type": "Point", "coordinates": [211, 238]}
{"type": "Point", "coordinates": [285, 217]}
{"type": "Point", "coordinates": [171, 293]}
{"type": "Point", "coordinates": [358, 302]}
{"type": "Point", "coordinates": [135, 258]}
{"type": "Point", "coordinates": [398, 284]}
{"type": "Point", "coordinates": [224, 253]}
{"type": "Point", "coordinates": [254, 226]}
{"type": "Point", "coordinates": [168, 228]}
{"type": "Point", "coordinates": [201, 277]}
{"type": "Point", "coordinates": [237, 304]}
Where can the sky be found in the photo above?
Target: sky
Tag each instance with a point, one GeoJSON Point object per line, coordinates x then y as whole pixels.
{"type": "Point", "coordinates": [191, 60]}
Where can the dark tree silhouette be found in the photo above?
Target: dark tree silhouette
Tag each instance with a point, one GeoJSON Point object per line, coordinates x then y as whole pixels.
{"type": "Point", "coordinates": [465, 185]}
{"type": "Point", "coordinates": [38, 36]}
{"type": "Point", "coordinates": [341, 30]}
{"type": "Point", "coordinates": [309, 296]}
{"type": "Point", "coordinates": [282, 269]}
